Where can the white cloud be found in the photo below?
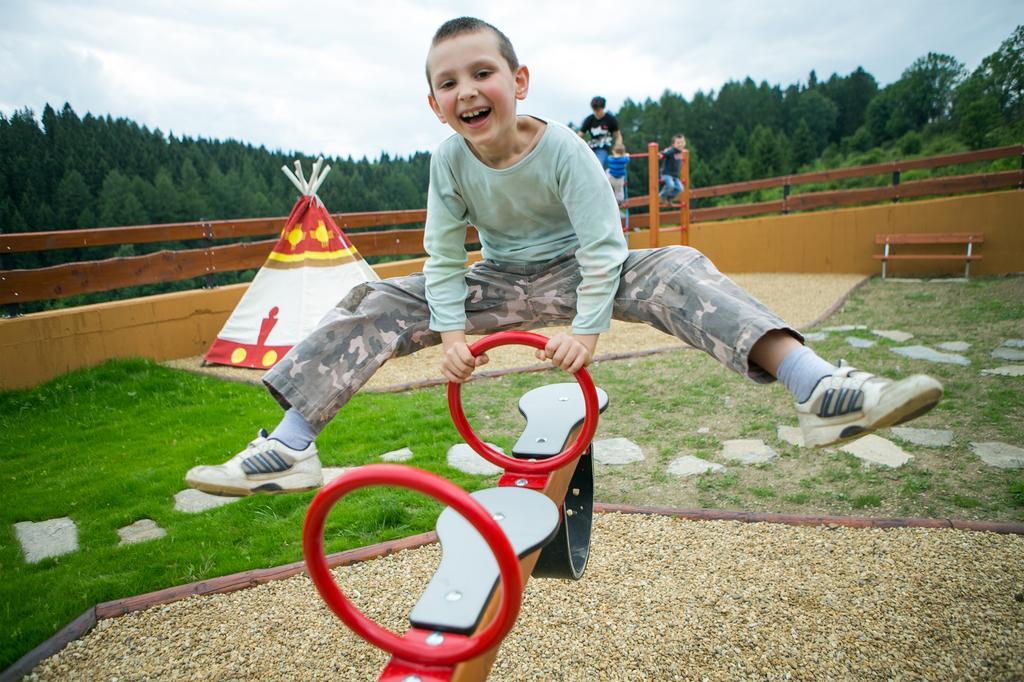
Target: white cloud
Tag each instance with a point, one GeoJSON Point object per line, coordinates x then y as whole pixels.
{"type": "Point", "coordinates": [346, 78]}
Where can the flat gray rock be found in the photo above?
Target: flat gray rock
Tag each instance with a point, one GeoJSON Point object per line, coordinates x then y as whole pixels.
{"type": "Point", "coordinates": [704, 429]}
{"type": "Point", "coordinates": [192, 501]}
{"type": "Point", "coordinates": [1014, 343]}
{"type": "Point", "coordinates": [465, 459]}
{"type": "Point", "coordinates": [46, 539]}
{"type": "Point", "coordinates": [793, 435]}
{"type": "Point", "coordinates": [142, 530]}
{"type": "Point", "coordinates": [845, 328]}
{"type": "Point", "coordinates": [331, 473]}
{"type": "Point", "coordinates": [815, 336]}
{"type": "Point", "coordinates": [954, 346]}
{"type": "Point", "coordinates": [874, 450]}
{"type": "Point", "coordinates": [893, 335]}
{"type": "Point", "coordinates": [858, 342]}
{"type": "Point", "coordinates": [930, 354]}
{"type": "Point", "coordinates": [617, 451]}
{"type": "Point", "coordinates": [1003, 353]}
{"type": "Point", "coordinates": [747, 451]}
{"type": "Point", "coordinates": [403, 455]}
{"type": "Point", "coordinates": [1006, 371]}
{"type": "Point", "coordinates": [933, 438]}
{"type": "Point", "coordinates": [1002, 455]}
{"type": "Point", "coordinates": [688, 465]}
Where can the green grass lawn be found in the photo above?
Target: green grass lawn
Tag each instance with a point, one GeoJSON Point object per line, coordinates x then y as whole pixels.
{"type": "Point", "coordinates": [110, 445]}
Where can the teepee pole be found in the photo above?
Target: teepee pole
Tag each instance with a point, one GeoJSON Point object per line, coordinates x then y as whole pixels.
{"type": "Point", "coordinates": [295, 181]}
{"type": "Point", "coordinates": [320, 180]}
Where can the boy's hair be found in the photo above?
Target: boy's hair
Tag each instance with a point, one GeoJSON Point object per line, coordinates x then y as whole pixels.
{"type": "Point", "coordinates": [597, 103]}
{"type": "Point", "coordinates": [461, 25]}
{"type": "Point", "coordinates": [679, 136]}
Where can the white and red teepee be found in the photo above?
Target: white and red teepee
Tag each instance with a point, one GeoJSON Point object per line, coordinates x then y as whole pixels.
{"type": "Point", "coordinates": [311, 268]}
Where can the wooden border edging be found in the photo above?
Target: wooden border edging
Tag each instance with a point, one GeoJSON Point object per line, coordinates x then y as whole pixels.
{"type": "Point", "coordinates": [1004, 527]}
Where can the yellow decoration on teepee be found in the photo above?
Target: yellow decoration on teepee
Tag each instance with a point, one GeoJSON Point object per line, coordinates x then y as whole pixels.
{"type": "Point", "coordinates": [238, 355]}
{"type": "Point", "coordinates": [321, 234]}
{"type": "Point", "coordinates": [270, 358]}
{"type": "Point", "coordinates": [295, 236]}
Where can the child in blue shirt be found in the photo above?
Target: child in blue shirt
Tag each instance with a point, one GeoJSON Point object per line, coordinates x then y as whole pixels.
{"type": "Point", "coordinates": [616, 166]}
{"type": "Point", "coordinates": [553, 252]}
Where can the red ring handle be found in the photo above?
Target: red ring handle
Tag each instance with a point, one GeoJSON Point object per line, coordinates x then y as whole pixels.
{"type": "Point", "coordinates": [542, 466]}
{"type": "Point", "coordinates": [444, 491]}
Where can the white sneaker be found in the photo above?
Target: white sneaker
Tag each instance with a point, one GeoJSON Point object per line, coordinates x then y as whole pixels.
{"type": "Point", "coordinates": [850, 403]}
{"type": "Point", "coordinates": [265, 466]}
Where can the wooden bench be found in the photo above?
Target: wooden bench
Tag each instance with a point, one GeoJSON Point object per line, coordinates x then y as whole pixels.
{"type": "Point", "coordinates": [926, 238]}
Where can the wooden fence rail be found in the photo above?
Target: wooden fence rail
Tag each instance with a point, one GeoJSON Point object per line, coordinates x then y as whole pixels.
{"type": "Point", "coordinates": [70, 279]}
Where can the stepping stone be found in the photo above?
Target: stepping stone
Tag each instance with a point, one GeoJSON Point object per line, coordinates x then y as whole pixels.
{"type": "Point", "coordinates": [331, 473]}
{"type": "Point", "coordinates": [845, 328]}
{"type": "Point", "coordinates": [688, 465]}
{"type": "Point", "coordinates": [793, 435]}
{"type": "Point", "coordinates": [874, 450]}
{"type": "Point", "coordinates": [192, 501]}
{"type": "Point", "coordinates": [747, 451]}
{"type": "Point", "coordinates": [893, 335]}
{"type": "Point", "coordinates": [1014, 343]}
{"type": "Point", "coordinates": [934, 438]}
{"type": "Point", "coordinates": [1002, 455]}
{"type": "Point", "coordinates": [140, 531]}
{"type": "Point", "coordinates": [954, 346]}
{"type": "Point", "coordinates": [465, 459]}
{"type": "Point", "coordinates": [930, 354]}
{"type": "Point", "coordinates": [704, 429]}
{"type": "Point", "coordinates": [45, 539]}
{"type": "Point", "coordinates": [403, 455]}
{"type": "Point", "coordinates": [815, 336]}
{"type": "Point", "coordinates": [1006, 371]}
{"type": "Point", "coordinates": [857, 342]}
{"type": "Point", "coordinates": [617, 451]}
{"type": "Point", "coordinates": [1008, 354]}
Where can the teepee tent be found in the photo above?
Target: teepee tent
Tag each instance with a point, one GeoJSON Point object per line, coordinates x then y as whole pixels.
{"type": "Point", "coordinates": [311, 268]}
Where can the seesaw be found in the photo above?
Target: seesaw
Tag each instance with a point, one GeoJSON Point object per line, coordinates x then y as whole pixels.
{"type": "Point", "coordinates": [536, 522]}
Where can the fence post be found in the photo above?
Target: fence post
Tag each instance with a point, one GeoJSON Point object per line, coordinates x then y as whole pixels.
{"type": "Point", "coordinates": [896, 183]}
{"type": "Point", "coordinates": [208, 235]}
{"type": "Point", "coordinates": [652, 193]}
{"type": "Point", "coordinates": [684, 205]}
{"type": "Point", "coordinates": [785, 197]}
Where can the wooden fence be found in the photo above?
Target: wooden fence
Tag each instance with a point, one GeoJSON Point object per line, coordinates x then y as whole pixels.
{"type": "Point", "coordinates": [81, 277]}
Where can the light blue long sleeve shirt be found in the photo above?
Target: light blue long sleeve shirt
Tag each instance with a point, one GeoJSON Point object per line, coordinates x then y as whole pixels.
{"type": "Point", "coordinates": [556, 199]}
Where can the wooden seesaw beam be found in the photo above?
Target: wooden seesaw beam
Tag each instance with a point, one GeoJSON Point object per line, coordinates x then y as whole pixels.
{"type": "Point", "coordinates": [464, 613]}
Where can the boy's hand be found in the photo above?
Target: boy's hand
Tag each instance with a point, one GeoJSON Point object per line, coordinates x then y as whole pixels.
{"type": "Point", "coordinates": [571, 353]}
{"type": "Point", "coordinates": [458, 363]}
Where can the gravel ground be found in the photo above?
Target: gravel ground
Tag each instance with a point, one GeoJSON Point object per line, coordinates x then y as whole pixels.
{"type": "Point", "coordinates": [799, 298]}
{"type": "Point", "coordinates": [662, 599]}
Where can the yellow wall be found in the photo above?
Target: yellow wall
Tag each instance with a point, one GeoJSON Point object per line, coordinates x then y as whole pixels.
{"type": "Point", "coordinates": [40, 346]}
{"type": "Point", "coordinates": [843, 240]}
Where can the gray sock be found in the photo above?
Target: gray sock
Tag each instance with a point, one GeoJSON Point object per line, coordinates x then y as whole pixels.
{"type": "Point", "coordinates": [294, 431]}
{"type": "Point", "coordinates": [801, 370]}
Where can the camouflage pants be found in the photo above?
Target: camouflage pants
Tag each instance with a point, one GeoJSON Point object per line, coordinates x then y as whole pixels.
{"type": "Point", "coordinates": [675, 289]}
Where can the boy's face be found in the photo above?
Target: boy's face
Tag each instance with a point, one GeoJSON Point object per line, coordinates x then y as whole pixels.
{"type": "Point", "coordinates": [598, 112]}
{"type": "Point", "coordinates": [679, 143]}
{"type": "Point", "coordinates": [473, 89]}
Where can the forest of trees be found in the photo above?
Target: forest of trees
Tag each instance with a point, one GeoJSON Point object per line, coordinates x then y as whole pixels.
{"type": "Point", "coordinates": [63, 171]}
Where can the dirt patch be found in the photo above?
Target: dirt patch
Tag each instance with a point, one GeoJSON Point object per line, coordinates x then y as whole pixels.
{"type": "Point", "coordinates": [800, 299]}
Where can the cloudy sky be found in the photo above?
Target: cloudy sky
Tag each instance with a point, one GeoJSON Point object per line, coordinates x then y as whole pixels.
{"type": "Point", "coordinates": [346, 77]}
